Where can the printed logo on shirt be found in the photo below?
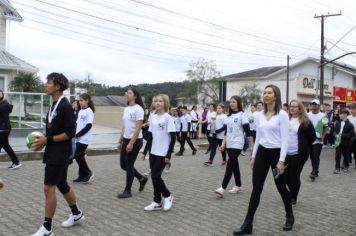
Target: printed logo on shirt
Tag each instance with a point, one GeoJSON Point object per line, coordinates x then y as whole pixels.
{"type": "Point", "coordinates": [161, 126]}
{"type": "Point", "coordinates": [132, 116]}
{"type": "Point", "coordinates": [236, 120]}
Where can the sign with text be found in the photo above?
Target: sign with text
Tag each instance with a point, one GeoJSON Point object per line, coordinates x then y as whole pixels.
{"type": "Point", "coordinates": [350, 95]}
{"type": "Point", "coordinates": [339, 94]}
{"type": "Point", "coordinates": [307, 84]}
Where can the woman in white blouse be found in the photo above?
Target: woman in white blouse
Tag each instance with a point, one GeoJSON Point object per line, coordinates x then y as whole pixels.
{"type": "Point", "coordinates": [270, 150]}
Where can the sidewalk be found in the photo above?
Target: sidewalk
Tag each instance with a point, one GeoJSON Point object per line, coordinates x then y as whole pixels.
{"type": "Point", "coordinates": [104, 142]}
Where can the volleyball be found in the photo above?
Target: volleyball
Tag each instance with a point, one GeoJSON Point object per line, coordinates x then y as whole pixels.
{"type": "Point", "coordinates": [31, 138]}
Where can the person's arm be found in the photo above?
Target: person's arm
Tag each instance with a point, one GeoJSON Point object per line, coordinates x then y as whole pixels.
{"type": "Point", "coordinates": [134, 136]}
{"type": "Point", "coordinates": [171, 145]}
{"type": "Point", "coordinates": [84, 131]}
{"type": "Point", "coordinates": [246, 128]}
{"type": "Point", "coordinates": [283, 127]}
{"type": "Point", "coordinates": [148, 143]}
{"type": "Point", "coordinates": [311, 135]}
{"type": "Point", "coordinates": [349, 132]}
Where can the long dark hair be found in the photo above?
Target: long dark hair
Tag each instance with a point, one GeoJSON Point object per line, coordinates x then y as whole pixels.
{"type": "Point", "coordinates": [239, 104]}
{"type": "Point", "coordinates": [87, 97]}
{"type": "Point", "coordinates": [277, 94]}
{"type": "Point", "coordinates": [138, 99]}
{"type": "Point", "coordinates": [76, 101]}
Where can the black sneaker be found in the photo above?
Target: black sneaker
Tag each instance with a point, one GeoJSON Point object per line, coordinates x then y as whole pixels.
{"type": "Point", "coordinates": [87, 179]}
{"type": "Point", "coordinates": [179, 154]}
{"type": "Point", "coordinates": [208, 163]}
{"type": "Point", "coordinates": [143, 183]}
{"type": "Point", "coordinates": [14, 166]}
{"type": "Point", "coordinates": [125, 194]}
{"type": "Point", "coordinates": [294, 202]}
{"type": "Point", "coordinates": [194, 152]}
{"type": "Point", "coordinates": [78, 180]}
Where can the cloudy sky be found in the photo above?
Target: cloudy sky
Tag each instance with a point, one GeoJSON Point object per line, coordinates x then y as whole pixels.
{"type": "Point", "coordinates": [121, 42]}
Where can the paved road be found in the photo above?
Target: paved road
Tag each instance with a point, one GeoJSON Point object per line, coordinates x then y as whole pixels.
{"type": "Point", "coordinates": [326, 206]}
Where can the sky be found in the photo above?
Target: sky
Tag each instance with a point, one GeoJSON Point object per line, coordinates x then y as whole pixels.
{"type": "Point", "coordinates": [122, 42]}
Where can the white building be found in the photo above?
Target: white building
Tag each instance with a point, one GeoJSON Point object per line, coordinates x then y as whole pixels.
{"type": "Point", "coordinates": [9, 64]}
{"type": "Point", "coordinates": [302, 80]}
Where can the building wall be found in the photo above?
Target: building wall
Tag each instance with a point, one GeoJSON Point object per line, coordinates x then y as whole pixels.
{"type": "Point", "coordinates": [110, 116]}
{"type": "Point", "coordinates": [2, 30]}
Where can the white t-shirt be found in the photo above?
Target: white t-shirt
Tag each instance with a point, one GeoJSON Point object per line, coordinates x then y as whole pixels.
{"type": "Point", "coordinates": [131, 115]}
{"type": "Point", "coordinates": [352, 119]}
{"type": "Point", "coordinates": [251, 120]}
{"type": "Point", "coordinates": [272, 133]}
{"type": "Point", "coordinates": [342, 127]}
{"type": "Point", "coordinates": [219, 123]}
{"type": "Point", "coordinates": [235, 137]}
{"type": "Point", "coordinates": [177, 122]}
{"type": "Point", "coordinates": [185, 119]}
{"type": "Point", "coordinates": [315, 118]}
{"type": "Point", "coordinates": [293, 136]}
{"type": "Point", "coordinates": [194, 115]}
{"type": "Point", "coordinates": [161, 126]}
{"type": "Point", "coordinates": [208, 120]}
{"type": "Point", "coordinates": [256, 114]}
{"type": "Point", "coordinates": [85, 116]}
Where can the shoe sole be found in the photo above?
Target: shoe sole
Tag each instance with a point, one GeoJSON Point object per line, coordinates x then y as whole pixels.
{"type": "Point", "coordinates": [155, 209]}
{"type": "Point", "coordinates": [75, 222]}
{"type": "Point", "coordinates": [87, 182]}
{"type": "Point", "coordinates": [235, 192]}
{"type": "Point", "coordinates": [219, 194]}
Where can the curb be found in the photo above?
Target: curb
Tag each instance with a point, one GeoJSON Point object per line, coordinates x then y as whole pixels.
{"type": "Point", "coordinates": [31, 156]}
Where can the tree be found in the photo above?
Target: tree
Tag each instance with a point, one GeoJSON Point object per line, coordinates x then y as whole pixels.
{"type": "Point", "coordinates": [203, 76]}
{"type": "Point", "coordinates": [26, 82]}
{"type": "Point", "coordinates": [250, 94]}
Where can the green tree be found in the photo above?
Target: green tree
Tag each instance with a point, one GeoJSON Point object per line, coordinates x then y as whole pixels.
{"type": "Point", "coordinates": [26, 82]}
{"type": "Point", "coordinates": [250, 94]}
{"type": "Point", "coordinates": [203, 82]}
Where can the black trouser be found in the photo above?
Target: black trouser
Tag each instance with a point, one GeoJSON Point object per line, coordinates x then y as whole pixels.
{"type": "Point", "coordinates": [253, 134]}
{"type": "Point", "coordinates": [84, 170]}
{"type": "Point", "coordinates": [215, 142]}
{"type": "Point", "coordinates": [353, 151]}
{"type": "Point", "coordinates": [330, 137]}
{"type": "Point", "coordinates": [127, 161]}
{"type": "Point", "coordinates": [293, 172]}
{"type": "Point", "coordinates": [315, 157]}
{"type": "Point", "coordinates": [343, 150]}
{"type": "Point", "coordinates": [209, 139]}
{"type": "Point", "coordinates": [157, 164]}
{"type": "Point", "coordinates": [184, 137]}
{"type": "Point", "coordinates": [4, 143]}
{"type": "Point", "coordinates": [267, 158]}
{"type": "Point", "coordinates": [178, 136]}
{"type": "Point", "coordinates": [232, 167]}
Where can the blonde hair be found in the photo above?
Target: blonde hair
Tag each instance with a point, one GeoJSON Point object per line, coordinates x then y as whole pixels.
{"type": "Point", "coordinates": [302, 116]}
{"type": "Point", "coordinates": [165, 99]}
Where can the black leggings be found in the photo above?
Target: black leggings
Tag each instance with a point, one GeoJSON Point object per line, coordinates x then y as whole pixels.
{"type": "Point", "coordinates": [293, 172]}
{"type": "Point", "coordinates": [209, 139]}
{"type": "Point", "coordinates": [4, 143]}
{"type": "Point", "coordinates": [84, 170]}
{"type": "Point", "coordinates": [157, 164]}
{"type": "Point", "coordinates": [315, 157]}
{"type": "Point", "coordinates": [183, 138]}
{"type": "Point", "coordinates": [353, 151]}
{"type": "Point", "coordinates": [214, 145]}
{"type": "Point", "coordinates": [127, 161]}
{"type": "Point", "coordinates": [267, 158]}
{"type": "Point", "coordinates": [232, 167]}
{"type": "Point", "coordinates": [343, 150]}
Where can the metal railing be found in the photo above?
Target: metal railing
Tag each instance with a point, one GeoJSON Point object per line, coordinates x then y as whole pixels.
{"type": "Point", "coordinates": [29, 109]}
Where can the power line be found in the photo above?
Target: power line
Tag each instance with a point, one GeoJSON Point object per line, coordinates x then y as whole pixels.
{"type": "Point", "coordinates": [112, 30]}
{"type": "Point", "coordinates": [154, 32]}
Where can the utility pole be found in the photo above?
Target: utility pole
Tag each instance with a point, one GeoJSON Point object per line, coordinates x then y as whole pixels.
{"type": "Point", "coordinates": [322, 49]}
{"type": "Point", "coordinates": [287, 97]}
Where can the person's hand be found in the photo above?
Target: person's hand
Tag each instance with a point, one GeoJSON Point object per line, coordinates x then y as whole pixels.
{"type": "Point", "coordinates": [167, 160]}
{"type": "Point", "coordinates": [118, 147]}
{"type": "Point", "coordinates": [252, 162]}
{"type": "Point", "coordinates": [222, 148]}
{"type": "Point", "coordinates": [129, 148]}
{"type": "Point", "coordinates": [280, 167]}
{"type": "Point", "coordinates": [1, 184]}
{"type": "Point", "coordinates": [143, 157]}
{"type": "Point", "coordinates": [40, 142]}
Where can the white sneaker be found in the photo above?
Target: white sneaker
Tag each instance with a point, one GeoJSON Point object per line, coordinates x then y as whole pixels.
{"type": "Point", "coordinates": [73, 220]}
{"type": "Point", "coordinates": [167, 169]}
{"type": "Point", "coordinates": [235, 189]}
{"type": "Point", "coordinates": [168, 202]}
{"type": "Point", "coordinates": [42, 231]}
{"type": "Point", "coordinates": [147, 173]}
{"type": "Point", "coordinates": [220, 191]}
{"type": "Point", "coordinates": [243, 153]}
{"type": "Point", "coordinates": [154, 206]}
